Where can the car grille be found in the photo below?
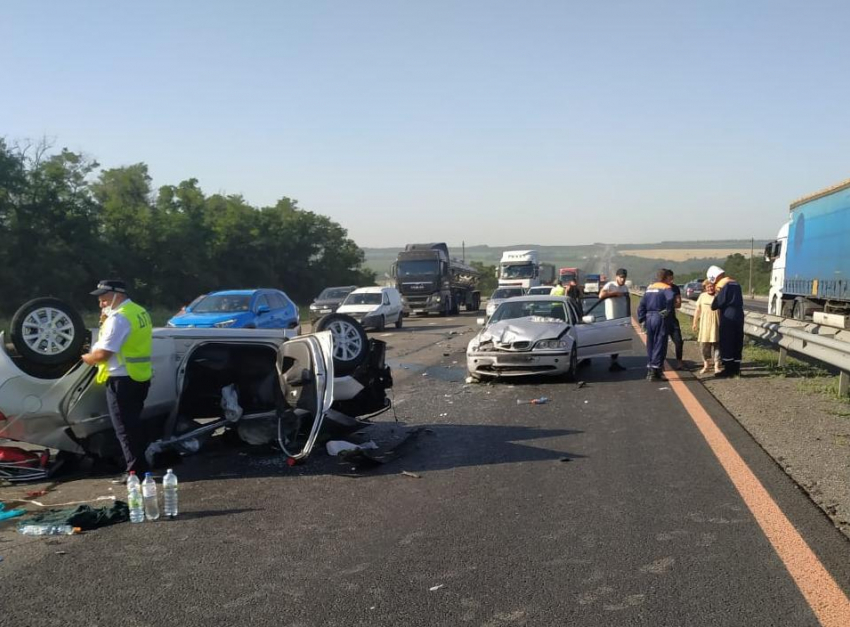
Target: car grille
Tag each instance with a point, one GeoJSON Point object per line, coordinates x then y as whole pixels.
{"type": "Point", "coordinates": [515, 346]}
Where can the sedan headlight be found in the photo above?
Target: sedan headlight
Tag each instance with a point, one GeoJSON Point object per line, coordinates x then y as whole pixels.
{"type": "Point", "coordinates": [550, 344]}
{"type": "Point", "coordinates": [313, 307]}
{"type": "Point", "coordinates": [225, 323]}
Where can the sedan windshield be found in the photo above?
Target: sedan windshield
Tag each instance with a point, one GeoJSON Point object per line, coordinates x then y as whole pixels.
{"type": "Point", "coordinates": [542, 290]}
{"type": "Point", "coordinates": [334, 293]}
{"type": "Point", "coordinates": [506, 292]}
{"type": "Point", "coordinates": [223, 303]}
{"type": "Point", "coordinates": [511, 310]}
{"type": "Point", "coordinates": [363, 298]}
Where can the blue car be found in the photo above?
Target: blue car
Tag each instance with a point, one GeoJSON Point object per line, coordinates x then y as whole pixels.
{"type": "Point", "coordinates": [240, 309]}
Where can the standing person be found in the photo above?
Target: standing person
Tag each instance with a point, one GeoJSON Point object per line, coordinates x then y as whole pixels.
{"type": "Point", "coordinates": [617, 306]}
{"type": "Point", "coordinates": [707, 323]}
{"type": "Point", "coordinates": [122, 355]}
{"type": "Point", "coordinates": [656, 305]}
{"type": "Point", "coordinates": [558, 290]}
{"type": "Point", "coordinates": [729, 301]}
{"type": "Point", "coordinates": [675, 330]}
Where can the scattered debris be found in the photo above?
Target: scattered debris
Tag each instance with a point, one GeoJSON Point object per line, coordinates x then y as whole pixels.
{"type": "Point", "coordinates": [664, 388]}
{"type": "Point", "coordinates": [447, 354]}
{"type": "Point", "coordinates": [443, 415]}
{"type": "Point", "coordinates": [35, 494]}
{"type": "Point", "coordinates": [565, 459]}
{"type": "Point", "coordinates": [586, 402]}
{"type": "Point", "coordinates": [435, 588]}
{"type": "Point", "coordinates": [335, 447]}
{"type": "Point", "coordinates": [580, 384]}
{"type": "Point", "coordinates": [470, 380]}
{"type": "Point", "coordinates": [424, 374]}
{"type": "Point", "coordinates": [535, 401]}
{"type": "Point", "coordinates": [411, 474]}
{"type": "Point", "coordinates": [61, 552]}
{"type": "Point", "coordinates": [9, 513]}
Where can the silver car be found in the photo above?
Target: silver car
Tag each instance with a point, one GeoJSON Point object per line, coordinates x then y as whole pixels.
{"type": "Point", "coordinates": [268, 374]}
{"type": "Point", "coordinates": [545, 335]}
{"type": "Point", "coordinates": [500, 295]}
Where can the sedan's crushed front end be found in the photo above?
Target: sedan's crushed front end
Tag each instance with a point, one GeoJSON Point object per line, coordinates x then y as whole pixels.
{"type": "Point", "coordinates": [527, 346]}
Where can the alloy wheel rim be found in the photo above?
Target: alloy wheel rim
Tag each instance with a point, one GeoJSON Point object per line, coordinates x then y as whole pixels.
{"type": "Point", "coordinates": [48, 331]}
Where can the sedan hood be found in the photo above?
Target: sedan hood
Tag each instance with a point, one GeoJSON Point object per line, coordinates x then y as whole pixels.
{"type": "Point", "coordinates": [531, 330]}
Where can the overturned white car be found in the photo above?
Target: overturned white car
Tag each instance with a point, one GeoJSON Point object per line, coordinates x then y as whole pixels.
{"type": "Point", "coordinates": [294, 384]}
{"type": "Point", "coordinates": [546, 335]}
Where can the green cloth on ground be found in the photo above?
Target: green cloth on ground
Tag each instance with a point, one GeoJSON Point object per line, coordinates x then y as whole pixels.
{"type": "Point", "coordinates": [85, 517]}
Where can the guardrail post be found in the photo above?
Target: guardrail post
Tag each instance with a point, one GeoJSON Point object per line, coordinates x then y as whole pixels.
{"type": "Point", "coordinates": [783, 357]}
{"type": "Point", "coordinates": [843, 383]}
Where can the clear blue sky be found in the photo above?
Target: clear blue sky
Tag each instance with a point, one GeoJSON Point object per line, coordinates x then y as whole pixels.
{"type": "Point", "coordinates": [488, 121]}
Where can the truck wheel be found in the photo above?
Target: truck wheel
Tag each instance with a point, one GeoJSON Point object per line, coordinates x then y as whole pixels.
{"type": "Point", "coordinates": [47, 331]}
{"type": "Point", "coordinates": [351, 346]}
{"type": "Point", "coordinates": [382, 322]}
{"type": "Point", "coordinates": [445, 310]}
{"type": "Point", "coordinates": [400, 320]}
{"type": "Point", "coordinates": [799, 311]}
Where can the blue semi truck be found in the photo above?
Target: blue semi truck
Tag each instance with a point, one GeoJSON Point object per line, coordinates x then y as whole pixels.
{"type": "Point", "coordinates": [811, 257]}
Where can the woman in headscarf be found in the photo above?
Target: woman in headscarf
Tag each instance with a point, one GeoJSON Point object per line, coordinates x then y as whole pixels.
{"type": "Point", "coordinates": [729, 301]}
{"type": "Point", "coordinates": [706, 323]}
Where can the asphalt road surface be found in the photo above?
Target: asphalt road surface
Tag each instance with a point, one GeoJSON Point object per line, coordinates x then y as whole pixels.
{"type": "Point", "coordinates": [615, 504]}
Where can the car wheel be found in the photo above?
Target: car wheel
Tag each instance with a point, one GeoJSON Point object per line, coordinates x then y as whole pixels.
{"type": "Point", "coordinates": [47, 331]}
{"type": "Point", "coordinates": [382, 323]}
{"type": "Point", "coordinates": [400, 320]}
{"type": "Point", "coordinates": [572, 373]}
{"type": "Point", "coordinates": [351, 346]}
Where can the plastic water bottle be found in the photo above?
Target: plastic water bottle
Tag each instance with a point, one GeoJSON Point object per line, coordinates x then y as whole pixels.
{"type": "Point", "coordinates": [149, 495]}
{"type": "Point", "coordinates": [134, 498]}
{"type": "Point", "coordinates": [46, 529]}
{"type": "Point", "coordinates": [169, 494]}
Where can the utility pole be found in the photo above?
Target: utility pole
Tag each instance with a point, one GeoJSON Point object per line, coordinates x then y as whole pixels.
{"type": "Point", "coordinates": [752, 250]}
{"type": "Point", "coordinates": [463, 244]}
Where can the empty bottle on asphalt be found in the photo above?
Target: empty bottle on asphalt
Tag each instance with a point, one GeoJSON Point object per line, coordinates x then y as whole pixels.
{"type": "Point", "coordinates": [134, 498]}
{"type": "Point", "coordinates": [169, 494]}
{"type": "Point", "coordinates": [149, 494]}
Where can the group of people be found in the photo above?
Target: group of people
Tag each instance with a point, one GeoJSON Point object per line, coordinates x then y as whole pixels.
{"type": "Point", "coordinates": [719, 321]}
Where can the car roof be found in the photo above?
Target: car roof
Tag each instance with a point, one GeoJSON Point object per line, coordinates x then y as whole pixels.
{"type": "Point", "coordinates": [372, 289]}
{"type": "Point", "coordinates": [233, 292]}
{"type": "Point", "coordinates": [542, 297]}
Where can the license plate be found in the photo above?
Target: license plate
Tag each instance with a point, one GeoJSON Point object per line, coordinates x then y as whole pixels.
{"type": "Point", "coordinates": [515, 359]}
{"type": "Point", "coordinates": [324, 311]}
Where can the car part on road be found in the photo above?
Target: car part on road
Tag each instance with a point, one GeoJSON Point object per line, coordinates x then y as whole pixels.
{"type": "Point", "coordinates": [350, 341]}
{"type": "Point", "coordinates": [47, 331]}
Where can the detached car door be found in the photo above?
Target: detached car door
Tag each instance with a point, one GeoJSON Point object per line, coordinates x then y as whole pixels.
{"type": "Point", "coordinates": [306, 376]}
{"type": "Point", "coordinates": [609, 332]}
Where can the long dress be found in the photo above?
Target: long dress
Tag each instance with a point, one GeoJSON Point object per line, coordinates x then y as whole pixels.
{"type": "Point", "coordinates": [709, 320]}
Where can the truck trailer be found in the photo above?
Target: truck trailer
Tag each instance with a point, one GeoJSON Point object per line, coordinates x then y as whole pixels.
{"type": "Point", "coordinates": [430, 281]}
{"type": "Point", "coordinates": [811, 257]}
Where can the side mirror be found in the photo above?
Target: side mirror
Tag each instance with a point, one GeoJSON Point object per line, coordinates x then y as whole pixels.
{"type": "Point", "coordinates": [588, 319]}
{"type": "Point", "coordinates": [480, 322]}
{"type": "Point", "coordinates": [263, 309]}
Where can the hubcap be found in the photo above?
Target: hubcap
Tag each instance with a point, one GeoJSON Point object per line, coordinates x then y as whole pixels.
{"type": "Point", "coordinates": [347, 341]}
{"type": "Point", "coordinates": [48, 331]}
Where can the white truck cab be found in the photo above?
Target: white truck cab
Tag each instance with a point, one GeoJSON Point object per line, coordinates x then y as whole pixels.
{"type": "Point", "coordinates": [775, 251]}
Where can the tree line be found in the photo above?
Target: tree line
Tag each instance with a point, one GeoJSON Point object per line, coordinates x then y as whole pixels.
{"type": "Point", "coordinates": [65, 223]}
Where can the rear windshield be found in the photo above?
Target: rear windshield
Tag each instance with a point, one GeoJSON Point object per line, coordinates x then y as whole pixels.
{"type": "Point", "coordinates": [334, 293]}
{"type": "Point", "coordinates": [508, 292]}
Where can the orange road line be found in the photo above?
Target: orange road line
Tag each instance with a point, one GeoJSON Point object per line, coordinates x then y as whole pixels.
{"type": "Point", "coordinates": [827, 600]}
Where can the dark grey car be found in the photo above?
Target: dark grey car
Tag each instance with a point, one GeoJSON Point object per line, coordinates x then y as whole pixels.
{"type": "Point", "coordinates": [329, 301]}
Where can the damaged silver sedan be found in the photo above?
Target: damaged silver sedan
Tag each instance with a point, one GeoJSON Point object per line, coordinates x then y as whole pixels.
{"type": "Point", "coordinates": [545, 335]}
{"type": "Point", "coordinates": [265, 385]}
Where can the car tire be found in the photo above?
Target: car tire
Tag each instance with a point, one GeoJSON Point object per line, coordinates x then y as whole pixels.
{"type": "Point", "coordinates": [382, 323]}
{"type": "Point", "coordinates": [400, 320]}
{"type": "Point", "coordinates": [572, 374]}
{"type": "Point", "coordinates": [47, 331]}
{"type": "Point", "coordinates": [351, 346]}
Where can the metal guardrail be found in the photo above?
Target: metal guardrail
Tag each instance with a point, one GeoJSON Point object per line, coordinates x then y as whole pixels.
{"type": "Point", "coordinates": [827, 345]}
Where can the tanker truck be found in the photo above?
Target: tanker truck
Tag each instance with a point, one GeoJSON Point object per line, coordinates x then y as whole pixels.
{"type": "Point", "coordinates": [430, 281]}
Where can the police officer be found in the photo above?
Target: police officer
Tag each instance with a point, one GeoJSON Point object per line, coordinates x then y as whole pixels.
{"type": "Point", "coordinates": [729, 300]}
{"type": "Point", "coordinates": [558, 290]}
{"type": "Point", "coordinates": [122, 355]}
{"type": "Point", "coordinates": [656, 306]}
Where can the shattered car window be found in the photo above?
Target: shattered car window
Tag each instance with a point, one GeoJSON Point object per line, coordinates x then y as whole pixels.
{"type": "Point", "coordinates": [544, 309]}
{"type": "Point", "coordinates": [223, 303]}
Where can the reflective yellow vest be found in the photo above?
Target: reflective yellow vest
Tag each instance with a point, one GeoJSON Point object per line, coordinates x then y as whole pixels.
{"type": "Point", "coordinates": [558, 290]}
{"type": "Point", "coordinates": [135, 353]}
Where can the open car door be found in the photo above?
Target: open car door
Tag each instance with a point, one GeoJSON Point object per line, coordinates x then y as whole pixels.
{"type": "Point", "coordinates": [306, 375]}
{"type": "Point", "coordinates": [605, 327]}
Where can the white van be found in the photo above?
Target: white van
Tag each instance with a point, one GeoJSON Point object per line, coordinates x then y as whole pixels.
{"type": "Point", "coordinates": [374, 307]}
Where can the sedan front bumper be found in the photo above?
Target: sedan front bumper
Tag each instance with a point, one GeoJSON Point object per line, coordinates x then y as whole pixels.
{"type": "Point", "coordinates": [517, 364]}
